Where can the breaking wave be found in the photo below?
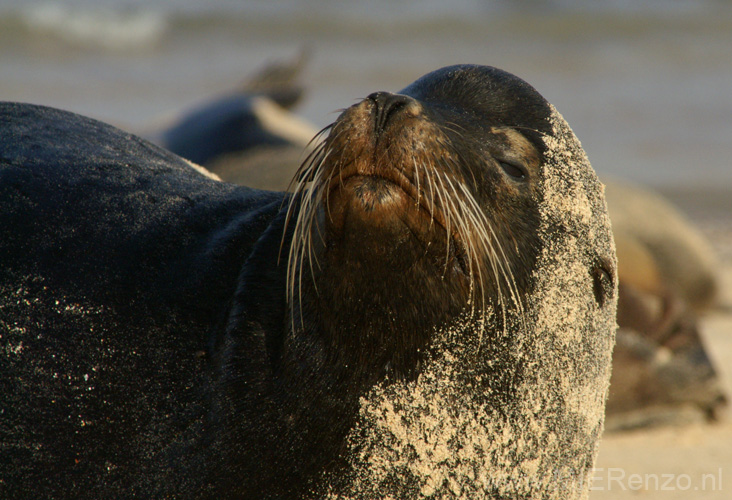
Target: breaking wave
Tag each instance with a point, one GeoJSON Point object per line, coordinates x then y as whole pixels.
{"type": "Point", "coordinates": [95, 26]}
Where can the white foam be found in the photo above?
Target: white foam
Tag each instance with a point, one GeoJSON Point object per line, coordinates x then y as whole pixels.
{"type": "Point", "coordinates": [97, 26]}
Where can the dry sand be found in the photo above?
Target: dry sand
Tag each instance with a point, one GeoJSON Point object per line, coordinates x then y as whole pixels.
{"type": "Point", "coordinates": [691, 462]}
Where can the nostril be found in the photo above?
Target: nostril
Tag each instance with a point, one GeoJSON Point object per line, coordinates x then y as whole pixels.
{"type": "Point", "coordinates": [388, 99]}
{"type": "Point", "coordinates": [378, 97]}
{"type": "Point", "coordinates": [387, 105]}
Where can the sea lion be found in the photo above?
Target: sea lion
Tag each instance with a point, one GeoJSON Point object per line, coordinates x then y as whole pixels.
{"type": "Point", "coordinates": [671, 382]}
{"type": "Point", "coordinates": [685, 264]}
{"type": "Point", "coordinates": [228, 132]}
{"type": "Point", "coordinates": [431, 313]}
{"type": "Point", "coordinates": [667, 276]}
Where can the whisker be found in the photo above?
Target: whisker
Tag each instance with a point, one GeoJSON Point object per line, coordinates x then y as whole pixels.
{"type": "Point", "coordinates": [431, 184]}
{"type": "Point", "coordinates": [447, 214]}
{"type": "Point", "coordinates": [305, 200]}
{"type": "Point", "coordinates": [460, 133]}
{"type": "Point", "coordinates": [471, 236]}
{"type": "Point", "coordinates": [471, 228]}
{"type": "Point", "coordinates": [502, 263]}
{"type": "Point", "coordinates": [416, 177]}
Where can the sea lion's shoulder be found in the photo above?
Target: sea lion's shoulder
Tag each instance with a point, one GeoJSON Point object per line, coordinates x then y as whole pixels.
{"type": "Point", "coordinates": [97, 209]}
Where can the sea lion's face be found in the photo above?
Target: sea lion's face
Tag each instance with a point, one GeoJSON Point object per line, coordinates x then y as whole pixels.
{"type": "Point", "coordinates": [425, 204]}
{"type": "Point", "coordinates": [454, 191]}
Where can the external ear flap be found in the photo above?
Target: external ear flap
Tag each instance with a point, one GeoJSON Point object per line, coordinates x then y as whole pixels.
{"type": "Point", "coordinates": [602, 281]}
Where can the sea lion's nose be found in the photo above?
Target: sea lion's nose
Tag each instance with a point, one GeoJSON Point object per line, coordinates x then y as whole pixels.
{"type": "Point", "coordinates": [388, 105]}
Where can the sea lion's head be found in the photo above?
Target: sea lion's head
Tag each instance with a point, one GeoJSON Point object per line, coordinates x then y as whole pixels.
{"type": "Point", "coordinates": [423, 204]}
{"type": "Point", "coordinates": [456, 240]}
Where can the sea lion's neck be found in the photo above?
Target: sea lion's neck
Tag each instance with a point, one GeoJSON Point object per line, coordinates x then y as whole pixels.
{"type": "Point", "coordinates": [376, 303]}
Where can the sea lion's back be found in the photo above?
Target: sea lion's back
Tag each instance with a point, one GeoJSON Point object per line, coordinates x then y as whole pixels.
{"type": "Point", "coordinates": [81, 197]}
{"type": "Point", "coordinates": [117, 261]}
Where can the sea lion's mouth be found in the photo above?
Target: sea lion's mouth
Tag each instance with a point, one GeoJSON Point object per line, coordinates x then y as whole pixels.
{"type": "Point", "coordinates": [396, 178]}
{"type": "Point", "coordinates": [388, 191]}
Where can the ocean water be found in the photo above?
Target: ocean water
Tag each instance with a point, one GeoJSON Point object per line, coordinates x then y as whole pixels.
{"type": "Point", "coordinates": [647, 86]}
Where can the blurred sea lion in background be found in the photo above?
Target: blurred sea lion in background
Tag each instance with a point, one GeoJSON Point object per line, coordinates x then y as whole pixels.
{"type": "Point", "coordinates": [668, 276]}
{"type": "Point", "coordinates": [234, 134]}
{"type": "Point", "coordinates": [685, 264]}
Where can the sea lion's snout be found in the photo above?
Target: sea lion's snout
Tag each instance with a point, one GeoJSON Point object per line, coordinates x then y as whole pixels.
{"type": "Point", "coordinates": [380, 164]}
{"type": "Point", "coordinates": [387, 106]}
